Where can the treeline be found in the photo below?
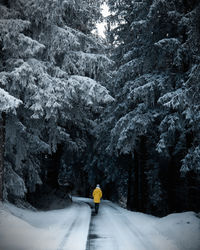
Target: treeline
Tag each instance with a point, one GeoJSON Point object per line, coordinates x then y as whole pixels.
{"type": "Point", "coordinates": [151, 146]}
{"type": "Point", "coordinates": [75, 117]}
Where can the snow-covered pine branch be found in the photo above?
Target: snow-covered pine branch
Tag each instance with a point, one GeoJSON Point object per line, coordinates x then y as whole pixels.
{"type": "Point", "coordinates": [8, 103]}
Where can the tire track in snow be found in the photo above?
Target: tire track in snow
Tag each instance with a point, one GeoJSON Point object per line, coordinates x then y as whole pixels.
{"type": "Point", "coordinates": [66, 236]}
{"type": "Point", "coordinates": [90, 229]}
{"type": "Point", "coordinates": [93, 237]}
{"type": "Point", "coordinates": [63, 242]}
{"type": "Point", "coordinates": [160, 242]}
{"type": "Point", "coordinates": [77, 232]}
{"type": "Point", "coordinates": [92, 241]}
{"type": "Point", "coordinates": [135, 231]}
{"type": "Point", "coordinates": [124, 237]}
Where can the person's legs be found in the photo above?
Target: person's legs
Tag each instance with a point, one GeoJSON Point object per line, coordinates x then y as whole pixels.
{"type": "Point", "coordinates": [96, 208]}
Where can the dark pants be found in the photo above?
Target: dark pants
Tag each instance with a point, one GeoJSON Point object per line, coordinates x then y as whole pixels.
{"type": "Point", "coordinates": [96, 208]}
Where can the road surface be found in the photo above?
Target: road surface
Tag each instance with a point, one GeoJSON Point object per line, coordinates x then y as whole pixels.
{"type": "Point", "coordinates": [113, 228]}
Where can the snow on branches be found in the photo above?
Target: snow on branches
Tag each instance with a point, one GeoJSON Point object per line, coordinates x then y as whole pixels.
{"type": "Point", "coordinates": [53, 65]}
{"type": "Point", "coordinates": [7, 102]}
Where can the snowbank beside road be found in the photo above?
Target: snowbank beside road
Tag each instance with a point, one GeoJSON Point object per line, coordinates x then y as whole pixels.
{"type": "Point", "coordinates": [182, 228]}
{"type": "Point", "coordinates": [22, 229]}
{"type": "Point", "coordinates": [17, 234]}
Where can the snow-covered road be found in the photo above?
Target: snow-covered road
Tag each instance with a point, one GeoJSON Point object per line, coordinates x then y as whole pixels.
{"type": "Point", "coordinates": [114, 228]}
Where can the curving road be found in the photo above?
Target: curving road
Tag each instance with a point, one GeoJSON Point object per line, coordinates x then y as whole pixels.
{"type": "Point", "coordinates": [78, 228]}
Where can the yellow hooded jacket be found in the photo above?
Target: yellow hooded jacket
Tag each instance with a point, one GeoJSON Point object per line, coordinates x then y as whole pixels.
{"type": "Point", "coordinates": [97, 194]}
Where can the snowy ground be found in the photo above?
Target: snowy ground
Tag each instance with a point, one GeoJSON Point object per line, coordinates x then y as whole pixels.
{"type": "Point", "coordinates": [113, 228]}
{"type": "Point", "coordinates": [54, 230]}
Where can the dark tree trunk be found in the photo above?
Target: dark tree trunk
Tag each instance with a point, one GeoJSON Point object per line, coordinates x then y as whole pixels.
{"type": "Point", "coordinates": [141, 175]}
{"type": "Point", "coordinates": [172, 184]}
{"type": "Point", "coordinates": [53, 168]}
{"type": "Point", "coordinates": [170, 192]}
{"type": "Point", "coordinates": [2, 150]}
{"type": "Point", "coordinates": [130, 197]}
{"type": "Point", "coordinates": [136, 181]}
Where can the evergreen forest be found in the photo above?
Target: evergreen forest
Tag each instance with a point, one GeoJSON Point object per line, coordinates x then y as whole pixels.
{"type": "Point", "coordinates": [123, 111]}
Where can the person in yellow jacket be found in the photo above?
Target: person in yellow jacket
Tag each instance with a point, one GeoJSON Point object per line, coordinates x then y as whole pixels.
{"type": "Point", "coordinates": [97, 194]}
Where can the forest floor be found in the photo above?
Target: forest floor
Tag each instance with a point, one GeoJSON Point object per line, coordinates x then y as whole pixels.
{"type": "Point", "coordinates": [113, 228]}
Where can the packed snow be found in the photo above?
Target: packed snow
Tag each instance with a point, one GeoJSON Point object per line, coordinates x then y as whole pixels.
{"type": "Point", "coordinates": [113, 228]}
{"type": "Point", "coordinates": [22, 229]}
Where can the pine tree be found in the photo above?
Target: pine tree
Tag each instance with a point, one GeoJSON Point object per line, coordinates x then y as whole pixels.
{"type": "Point", "coordinates": [54, 66]}
{"type": "Point", "coordinates": [152, 42]}
{"type": "Point", "coordinates": [7, 104]}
